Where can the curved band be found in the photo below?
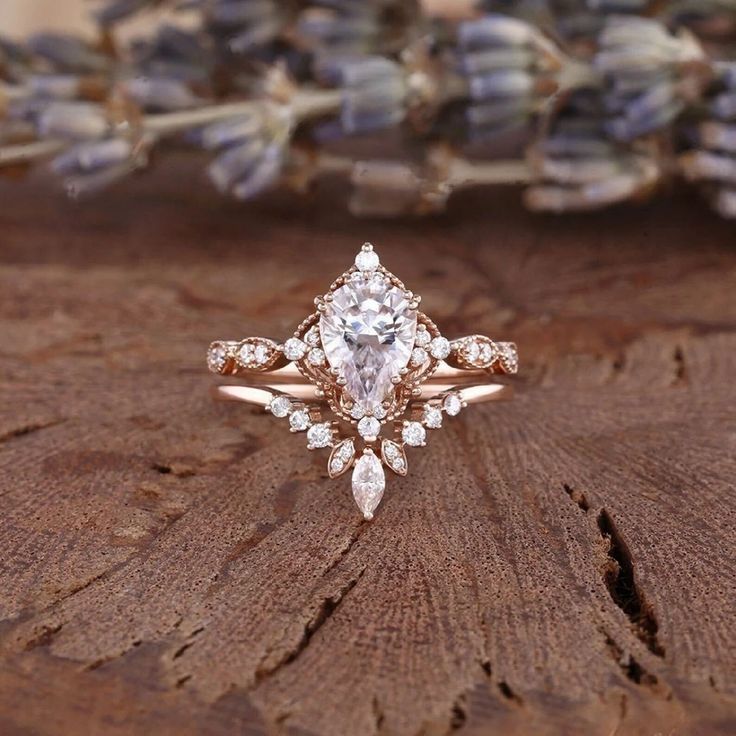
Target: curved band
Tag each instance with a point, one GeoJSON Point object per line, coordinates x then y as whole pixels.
{"type": "Point", "coordinates": [261, 395]}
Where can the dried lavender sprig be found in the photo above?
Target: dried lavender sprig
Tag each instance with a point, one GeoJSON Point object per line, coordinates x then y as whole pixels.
{"type": "Point", "coordinates": [651, 74]}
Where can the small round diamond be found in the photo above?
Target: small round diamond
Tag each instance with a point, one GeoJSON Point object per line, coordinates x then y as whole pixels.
{"type": "Point", "coordinates": [487, 354]}
{"type": "Point", "coordinates": [260, 354]}
{"type": "Point", "coordinates": [510, 358]}
{"type": "Point", "coordinates": [418, 357]}
{"type": "Point", "coordinates": [294, 348]}
{"type": "Point", "coordinates": [299, 420]}
{"type": "Point", "coordinates": [312, 337]}
{"type": "Point", "coordinates": [472, 351]}
{"type": "Point", "coordinates": [378, 411]}
{"type": "Point", "coordinates": [367, 260]}
{"type": "Point", "coordinates": [432, 417]}
{"type": "Point", "coordinates": [357, 411]}
{"type": "Point", "coordinates": [369, 427]}
{"type": "Point", "coordinates": [316, 357]}
{"type": "Point", "coordinates": [280, 406]}
{"type": "Point", "coordinates": [216, 357]}
{"type": "Point", "coordinates": [319, 435]}
{"type": "Point", "coordinates": [423, 338]}
{"type": "Point", "coordinates": [414, 434]}
{"type": "Point", "coordinates": [440, 348]}
{"type": "Point", "coordinates": [245, 354]}
{"type": "Point", "coordinates": [452, 405]}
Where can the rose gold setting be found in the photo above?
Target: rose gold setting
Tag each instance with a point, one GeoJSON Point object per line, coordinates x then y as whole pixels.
{"type": "Point", "coordinates": [299, 381]}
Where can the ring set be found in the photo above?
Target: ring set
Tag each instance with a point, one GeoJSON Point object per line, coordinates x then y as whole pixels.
{"type": "Point", "coordinates": [366, 375]}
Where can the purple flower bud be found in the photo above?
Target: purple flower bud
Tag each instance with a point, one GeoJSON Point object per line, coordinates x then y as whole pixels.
{"type": "Point", "coordinates": [68, 52]}
{"type": "Point", "coordinates": [73, 121]}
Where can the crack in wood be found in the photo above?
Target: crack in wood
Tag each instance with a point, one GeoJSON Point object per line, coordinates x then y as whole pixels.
{"type": "Point", "coordinates": [30, 428]}
{"type": "Point", "coordinates": [328, 608]}
{"type": "Point", "coordinates": [628, 664]}
{"type": "Point", "coordinates": [681, 374]}
{"type": "Point", "coordinates": [623, 588]}
{"type": "Point", "coordinates": [378, 715]}
{"type": "Point", "coordinates": [577, 496]}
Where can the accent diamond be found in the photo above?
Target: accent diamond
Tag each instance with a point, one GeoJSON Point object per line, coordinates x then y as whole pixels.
{"type": "Point", "coordinates": [294, 348]}
{"type": "Point", "coordinates": [245, 354]}
{"type": "Point", "coordinates": [367, 260]}
{"type": "Point", "coordinates": [419, 357]}
{"type": "Point", "coordinates": [217, 357]}
{"type": "Point", "coordinates": [452, 405]}
{"type": "Point", "coordinates": [341, 458]}
{"type": "Point", "coordinates": [369, 483]}
{"type": "Point", "coordinates": [280, 406]}
{"type": "Point", "coordinates": [319, 435]}
{"type": "Point", "coordinates": [312, 336]}
{"type": "Point", "coordinates": [423, 337]}
{"type": "Point", "coordinates": [316, 357]}
{"type": "Point", "coordinates": [367, 334]}
{"type": "Point", "coordinates": [432, 417]}
{"type": "Point", "coordinates": [369, 427]}
{"type": "Point", "coordinates": [299, 420]}
{"type": "Point", "coordinates": [414, 434]}
{"type": "Point", "coordinates": [261, 354]}
{"type": "Point", "coordinates": [394, 456]}
{"type": "Point", "coordinates": [440, 348]}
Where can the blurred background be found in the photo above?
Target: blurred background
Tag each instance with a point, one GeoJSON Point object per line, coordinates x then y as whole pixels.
{"type": "Point", "coordinates": [23, 16]}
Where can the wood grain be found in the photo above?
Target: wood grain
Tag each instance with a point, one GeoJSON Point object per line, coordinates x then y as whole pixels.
{"type": "Point", "coordinates": [563, 564]}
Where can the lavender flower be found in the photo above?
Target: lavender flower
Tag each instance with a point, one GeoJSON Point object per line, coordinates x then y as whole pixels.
{"type": "Point", "coordinates": [354, 27]}
{"type": "Point", "coordinates": [651, 75]}
{"type": "Point", "coordinates": [510, 70]}
{"type": "Point", "coordinates": [67, 53]}
{"type": "Point", "coordinates": [577, 168]}
{"type": "Point", "coordinates": [243, 26]}
{"type": "Point", "coordinates": [160, 94]}
{"type": "Point", "coordinates": [712, 162]}
{"type": "Point", "coordinates": [114, 11]}
{"type": "Point", "coordinates": [252, 150]}
{"type": "Point", "coordinates": [90, 166]}
{"type": "Point", "coordinates": [374, 92]}
{"type": "Point", "coordinates": [73, 121]}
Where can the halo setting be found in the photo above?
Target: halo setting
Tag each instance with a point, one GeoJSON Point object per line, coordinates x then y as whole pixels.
{"type": "Point", "coordinates": [369, 354]}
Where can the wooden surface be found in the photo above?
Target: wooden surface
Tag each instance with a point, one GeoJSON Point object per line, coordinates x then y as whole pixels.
{"type": "Point", "coordinates": [563, 564]}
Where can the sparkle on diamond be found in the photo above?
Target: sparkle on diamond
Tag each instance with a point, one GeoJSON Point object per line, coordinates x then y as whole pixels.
{"type": "Point", "coordinates": [368, 331]}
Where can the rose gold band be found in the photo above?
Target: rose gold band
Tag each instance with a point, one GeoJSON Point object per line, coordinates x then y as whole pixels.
{"type": "Point", "coordinates": [261, 395]}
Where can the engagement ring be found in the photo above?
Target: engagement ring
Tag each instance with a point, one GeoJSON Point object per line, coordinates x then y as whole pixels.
{"type": "Point", "coordinates": [372, 361]}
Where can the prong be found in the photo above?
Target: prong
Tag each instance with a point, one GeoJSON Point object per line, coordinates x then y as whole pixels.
{"type": "Point", "coordinates": [367, 247]}
{"type": "Point", "coordinates": [368, 516]}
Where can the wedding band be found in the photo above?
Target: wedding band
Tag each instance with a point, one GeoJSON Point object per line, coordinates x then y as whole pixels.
{"type": "Point", "coordinates": [372, 361]}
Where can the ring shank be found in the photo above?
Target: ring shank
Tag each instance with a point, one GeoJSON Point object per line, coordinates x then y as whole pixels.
{"type": "Point", "coordinates": [261, 395]}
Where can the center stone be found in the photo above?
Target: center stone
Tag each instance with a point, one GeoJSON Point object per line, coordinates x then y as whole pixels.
{"type": "Point", "coordinates": [368, 334]}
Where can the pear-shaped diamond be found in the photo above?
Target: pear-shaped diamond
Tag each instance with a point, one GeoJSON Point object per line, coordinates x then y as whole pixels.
{"type": "Point", "coordinates": [367, 331]}
{"type": "Point", "coordinates": [369, 482]}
